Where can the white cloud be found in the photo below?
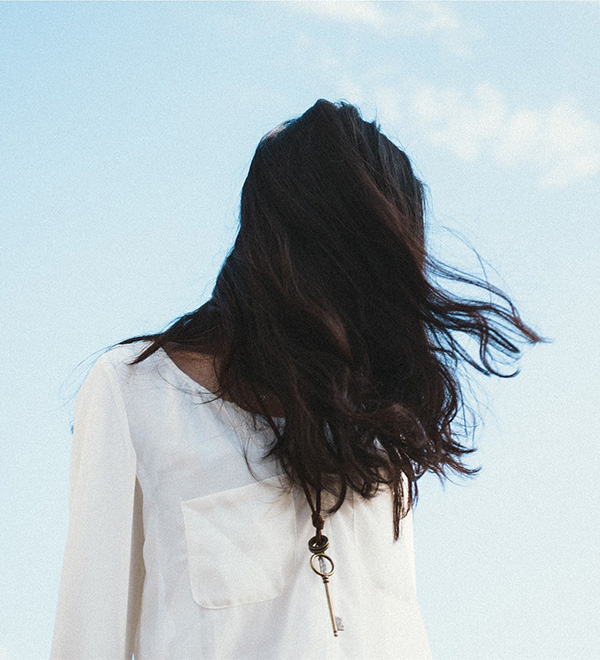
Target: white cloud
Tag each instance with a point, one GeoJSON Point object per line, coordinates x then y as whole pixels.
{"type": "Point", "coordinates": [560, 142]}
{"type": "Point", "coordinates": [441, 22]}
{"type": "Point", "coordinates": [463, 125]}
{"type": "Point", "coordinates": [401, 20]}
{"type": "Point", "coordinates": [366, 12]}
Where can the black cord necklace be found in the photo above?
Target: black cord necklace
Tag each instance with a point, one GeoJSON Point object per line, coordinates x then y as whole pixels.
{"type": "Point", "coordinates": [321, 563]}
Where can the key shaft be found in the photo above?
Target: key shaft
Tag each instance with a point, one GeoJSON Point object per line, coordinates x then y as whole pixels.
{"type": "Point", "coordinates": [331, 616]}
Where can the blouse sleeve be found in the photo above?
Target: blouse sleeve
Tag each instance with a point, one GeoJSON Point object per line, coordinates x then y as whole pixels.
{"type": "Point", "coordinates": [103, 570]}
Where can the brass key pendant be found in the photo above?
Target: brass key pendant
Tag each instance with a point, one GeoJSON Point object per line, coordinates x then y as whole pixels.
{"type": "Point", "coordinates": [323, 565]}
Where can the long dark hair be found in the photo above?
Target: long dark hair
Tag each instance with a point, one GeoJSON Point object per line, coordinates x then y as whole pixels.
{"type": "Point", "coordinates": [329, 303]}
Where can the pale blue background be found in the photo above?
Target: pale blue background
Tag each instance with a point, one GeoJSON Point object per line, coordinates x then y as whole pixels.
{"type": "Point", "coordinates": [126, 132]}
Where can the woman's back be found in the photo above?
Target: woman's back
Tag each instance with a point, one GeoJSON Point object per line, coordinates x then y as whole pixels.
{"type": "Point", "coordinates": [211, 558]}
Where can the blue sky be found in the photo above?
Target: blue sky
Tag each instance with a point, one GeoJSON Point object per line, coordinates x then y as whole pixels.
{"type": "Point", "coordinates": [126, 133]}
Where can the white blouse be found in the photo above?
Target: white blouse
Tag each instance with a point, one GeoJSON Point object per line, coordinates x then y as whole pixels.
{"type": "Point", "coordinates": [177, 551]}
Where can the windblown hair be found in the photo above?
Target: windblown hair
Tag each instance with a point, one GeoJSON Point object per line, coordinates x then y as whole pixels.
{"type": "Point", "coordinates": [329, 303]}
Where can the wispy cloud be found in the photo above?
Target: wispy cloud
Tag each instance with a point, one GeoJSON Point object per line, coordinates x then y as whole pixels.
{"type": "Point", "coordinates": [366, 12]}
{"type": "Point", "coordinates": [441, 22]}
{"type": "Point", "coordinates": [463, 124]}
{"type": "Point", "coordinates": [559, 141]}
{"type": "Point", "coordinates": [433, 20]}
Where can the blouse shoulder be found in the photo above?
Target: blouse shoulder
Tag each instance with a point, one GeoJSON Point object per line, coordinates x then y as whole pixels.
{"type": "Point", "coordinates": [113, 372]}
{"type": "Point", "coordinates": [120, 358]}
{"type": "Point", "coordinates": [121, 355]}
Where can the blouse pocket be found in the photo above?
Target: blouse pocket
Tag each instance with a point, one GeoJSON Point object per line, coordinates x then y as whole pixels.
{"type": "Point", "coordinates": [241, 544]}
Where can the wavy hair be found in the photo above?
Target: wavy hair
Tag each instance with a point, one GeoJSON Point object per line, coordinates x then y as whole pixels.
{"type": "Point", "coordinates": [329, 303]}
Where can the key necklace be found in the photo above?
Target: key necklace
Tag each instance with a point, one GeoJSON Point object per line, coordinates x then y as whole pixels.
{"type": "Point", "coordinates": [321, 563]}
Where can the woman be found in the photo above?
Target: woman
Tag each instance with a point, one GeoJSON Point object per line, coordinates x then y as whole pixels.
{"type": "Point", "coordinates": [222, 469]}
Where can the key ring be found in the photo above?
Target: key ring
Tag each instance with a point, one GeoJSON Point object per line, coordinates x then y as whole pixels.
{"type": "Point", "coordinates": [322, 559]}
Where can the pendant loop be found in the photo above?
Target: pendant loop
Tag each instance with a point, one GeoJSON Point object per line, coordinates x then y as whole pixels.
{"type": "Point", "coordinates": [317, 544]}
